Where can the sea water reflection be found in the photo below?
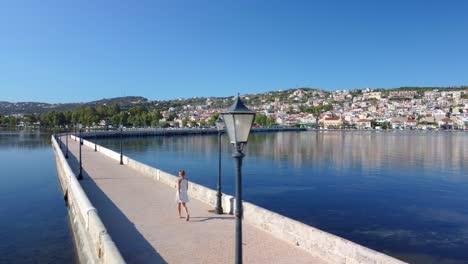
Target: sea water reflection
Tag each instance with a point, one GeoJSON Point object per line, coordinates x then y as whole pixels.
{"type": "Point", "coordinates": [33, 216]}
{"type": "Point", "coordinates": [402, 193]}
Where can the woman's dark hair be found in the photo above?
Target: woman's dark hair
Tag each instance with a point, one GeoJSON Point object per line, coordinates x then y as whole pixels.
{"type": "Point", "coordinates": [182, 172]}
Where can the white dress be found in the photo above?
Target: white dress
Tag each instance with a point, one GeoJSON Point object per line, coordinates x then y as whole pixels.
{"type": "Point", "coordinates": [182, 196]}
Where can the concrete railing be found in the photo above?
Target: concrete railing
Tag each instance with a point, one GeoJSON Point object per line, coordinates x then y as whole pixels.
{"type": "Point", "coordinates": [318, 243]}
{"type": "Point", "coordinates": [109, 153]}
{"type": "Point", "coordinates": [93, 243]}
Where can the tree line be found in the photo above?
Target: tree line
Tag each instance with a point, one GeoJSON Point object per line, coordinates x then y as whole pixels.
{"type": "Point", "coordinates": [137, 116]}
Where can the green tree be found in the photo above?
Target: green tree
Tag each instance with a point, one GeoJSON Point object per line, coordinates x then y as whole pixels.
{"type": "Point", "coordinates": [29, 119]}
{"type": "Point", "coordinates": [67, 115]}
{"type": "Point", "coordinates": [102, 111]}
{"type": "Point", "coordinates": [146, 119]}
{"type": "Point", "coordinates": [203, 123]}
{"type": "Point", "coordinates": [155, 117]}
{"type": "Point", "coordinates": [123, 119]}
{"type": "Point", "coordinates": [163, 124]}
{"type": "Point", "coordinates": [261, 119]}
{"type": "Point", "coordinates": [90, 116]}
{"type": "Point", "coordinates": [171, 117]}
{"type": "Point", "coordinates": [59, 119]}
{"type": "Point", "coordinates": [184, 122]}
{"type": "Point", "coordinates": [6, 121]}
{"type": "Point", "coordinates": [12, 122]}
{"type": "Point", "coordinates": [113, 110]}
{"type": "Point", "coordinates": [212, 120]}
{"type": "Point", "coordinates": [271, 121]}
{"type": "Point", "coordinates": [115, 120]}
{"type": "Point", "coordinates": [135, 119]}
{"type": "Point", "coordinates": [75, 117]}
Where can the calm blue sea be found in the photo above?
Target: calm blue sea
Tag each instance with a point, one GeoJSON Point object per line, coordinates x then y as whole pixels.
{"type": "Point", "coordinates": [33, 217]}
{"type": "Point", "coordinates": [401, 193]}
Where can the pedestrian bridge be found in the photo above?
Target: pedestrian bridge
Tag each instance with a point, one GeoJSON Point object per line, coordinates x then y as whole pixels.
{"type": "Point", "coordinates": [127, 214]}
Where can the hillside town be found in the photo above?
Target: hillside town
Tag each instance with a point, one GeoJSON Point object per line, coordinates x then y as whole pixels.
{"type": "Point", "coordinates": [358, 109]}
{"type": "Point", "coordinates": [402, 108]}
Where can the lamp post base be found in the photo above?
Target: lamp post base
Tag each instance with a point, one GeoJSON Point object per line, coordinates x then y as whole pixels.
{"type": "Point", "coordinates": [219, 207]}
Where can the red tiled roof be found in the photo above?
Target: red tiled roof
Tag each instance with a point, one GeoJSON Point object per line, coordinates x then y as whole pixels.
{"type": "Point", "coordinates": [332, 118]}
{"type": "Point", "coordinates": [447, 120]}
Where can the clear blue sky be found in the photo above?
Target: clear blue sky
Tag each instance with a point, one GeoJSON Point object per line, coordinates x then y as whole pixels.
{"type": "Point", "coordinates": [72, 51]}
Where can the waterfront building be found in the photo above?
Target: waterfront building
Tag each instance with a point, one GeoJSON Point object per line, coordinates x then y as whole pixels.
{"type": "Point", "coordinates": [363, 124]}
{"type": "Point", "coordinates": [331, 123]}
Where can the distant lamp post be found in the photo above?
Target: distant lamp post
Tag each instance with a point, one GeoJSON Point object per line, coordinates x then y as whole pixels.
{"type": "Point", "coordinates": [95, 138]}
{"type": "Point", "coordinates": [121, 149]}
{"type": "Point", "coordinates": [81, 133]}
{"type": "Point", "coordinates": [220, 127]}
{"type": "Point", "coordinates": [80, 175]}
{"type": "Point", "coordinates": [238, 120]}
{"type": "Point", "coordinates": [66, 139]}
{"type": "Point", "coordinates": [59, 137]}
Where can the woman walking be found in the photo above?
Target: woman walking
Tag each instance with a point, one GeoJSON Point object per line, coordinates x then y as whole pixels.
{"type": "Point", "coordinates": [181, 195]}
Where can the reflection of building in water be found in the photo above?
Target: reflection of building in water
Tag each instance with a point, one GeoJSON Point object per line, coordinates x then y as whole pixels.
{"type": "Point", "coordinates": [340, 150]}
{"type": "Point", "coordinates": [369, 150]}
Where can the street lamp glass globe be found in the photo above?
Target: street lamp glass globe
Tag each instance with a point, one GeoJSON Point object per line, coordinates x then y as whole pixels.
{"type": "Point", "coordinates": [238, 120]}
{"type": "Point", "coordinates": [219, 124]}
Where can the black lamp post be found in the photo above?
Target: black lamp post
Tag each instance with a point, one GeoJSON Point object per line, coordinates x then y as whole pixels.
{"type": "Point", "coordinates": [66, 139]}
{"type": "Point", "coordinates": [238, 120]}
{"type": "Point", "coordinates": [121, 150]}
{"type": "Point", "coordinates": [95, 138]}
{"type": "Point", "coordinates": [80, 175]}
{"type": "Point", "coordinates": [220, 126]}
{"type": "Point", "coordinates": [59, 136]}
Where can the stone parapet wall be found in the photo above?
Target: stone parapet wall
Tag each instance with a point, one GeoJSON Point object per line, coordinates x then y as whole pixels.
{"type": "Point", "coordinates": [92, 242]}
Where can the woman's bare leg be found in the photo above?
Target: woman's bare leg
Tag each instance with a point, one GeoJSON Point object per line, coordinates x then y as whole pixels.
{"type": "Point", "coordinates": [186, 211]}
{"type": "Point", "coordinates": [178, 209]}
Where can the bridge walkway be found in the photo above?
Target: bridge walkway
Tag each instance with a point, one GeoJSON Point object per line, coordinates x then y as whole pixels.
{"type": "Point", "coordinates": [141, 216]}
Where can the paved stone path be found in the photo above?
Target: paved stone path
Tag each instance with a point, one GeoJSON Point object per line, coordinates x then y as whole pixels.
{"type": "Point", "coordinates": [141, 216]}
